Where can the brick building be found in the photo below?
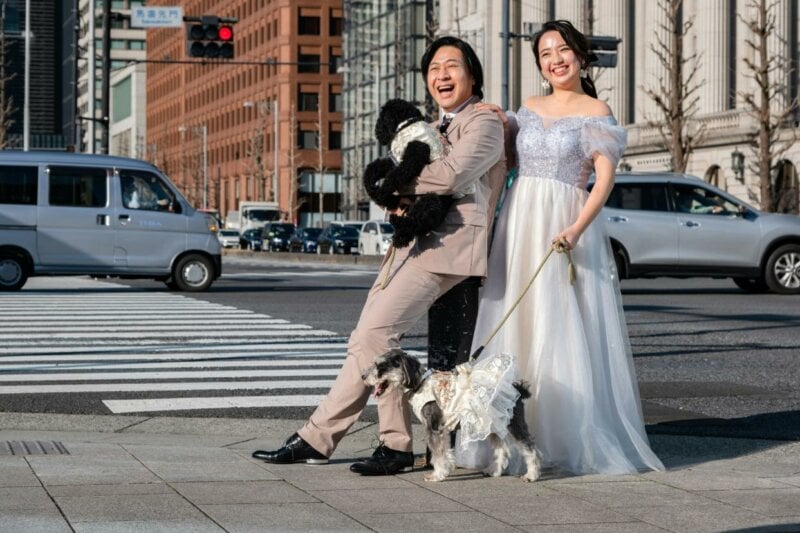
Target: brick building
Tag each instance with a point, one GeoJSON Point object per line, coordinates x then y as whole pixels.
{"type": "Point", "coordinates": [211, 125]}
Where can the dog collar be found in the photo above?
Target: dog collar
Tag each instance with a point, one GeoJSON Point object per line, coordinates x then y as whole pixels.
{"type": "Point", "coordinates": [406, 122]}
{"type": "Point", "coordinates": [428, 373]}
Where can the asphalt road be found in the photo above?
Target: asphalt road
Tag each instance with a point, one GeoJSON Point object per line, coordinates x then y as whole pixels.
{"type": "Point", "coordinates": [710, 359]}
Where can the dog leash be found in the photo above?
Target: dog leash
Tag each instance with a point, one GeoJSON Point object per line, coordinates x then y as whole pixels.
{"type": "Point", "coordinates": [559, 247]}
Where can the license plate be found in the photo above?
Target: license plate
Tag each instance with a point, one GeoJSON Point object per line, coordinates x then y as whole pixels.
{"type": "Point", "coordinates": [353, 249]}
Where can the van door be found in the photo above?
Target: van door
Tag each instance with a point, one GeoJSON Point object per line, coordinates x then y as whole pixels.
{"type": "Point", "coordinates": [150, 226]}
{"type": "Point", "coordinates": [74, 229]}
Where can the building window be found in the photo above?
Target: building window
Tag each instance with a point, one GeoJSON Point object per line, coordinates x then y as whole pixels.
{"type": "Point", "coordinates": [335, 102]}
{"type": "Point", "coordinates": [308, 63]}
{"type": "Point", "coordinates": [335, 63]}
{"type": "Point", "coordinates": [336, 26]}
{"type": "Point", "coordinates": [306, 139]}
{"type": "Point", "coordinates": [307, 101]}
{"type": "Point", "coordinates": [334, 140]}
{"type": "Point", "coordinates": [308, 26]}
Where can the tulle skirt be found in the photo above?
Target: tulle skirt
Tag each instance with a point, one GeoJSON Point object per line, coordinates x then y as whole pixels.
{"type": "Point", "coordinates": [570, 341]}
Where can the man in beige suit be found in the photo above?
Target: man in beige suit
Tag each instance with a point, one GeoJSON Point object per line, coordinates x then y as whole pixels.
{"type": "Point", "coordinates": [420, 273]}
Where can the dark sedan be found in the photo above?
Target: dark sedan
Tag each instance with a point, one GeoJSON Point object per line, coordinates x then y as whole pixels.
{"type": "Point", "coordinates": [276, 236]}
{"type": "Point", "coordinates": [250, 240]}
{"type": "Point", "coordinates": [338, 240]}
{"type": "Point", "coordinates": [304, 240]}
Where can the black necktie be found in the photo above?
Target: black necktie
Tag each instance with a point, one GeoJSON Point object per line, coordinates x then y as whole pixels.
{"type": "Point", "coordinates": [446, 120]}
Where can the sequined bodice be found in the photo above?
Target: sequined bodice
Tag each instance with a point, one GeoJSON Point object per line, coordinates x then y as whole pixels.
{"type": "Point", "coordinates": [557, 151]}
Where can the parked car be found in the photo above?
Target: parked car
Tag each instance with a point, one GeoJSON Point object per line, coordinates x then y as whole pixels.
{"type": "Point", "coordinates": [680, 226]}
{"type": "Point", "coordinates": [304, 240]}
{"type": "Point", "coordinates": [358, 224]}
{"type": "Point", "coordinates": [228, 238]}
{"type": "Point", "coordinates": [251, 240]}
{"type": "Point", "coordinates": [275, 236]}
{"type": "Point", "coordinates": [336, 239]}
{"type": "Point", "coordinates": [375, 237]}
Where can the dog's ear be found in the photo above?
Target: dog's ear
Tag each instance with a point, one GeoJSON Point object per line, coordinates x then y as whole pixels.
{"type": "Point", "coordinates": [411, 368]}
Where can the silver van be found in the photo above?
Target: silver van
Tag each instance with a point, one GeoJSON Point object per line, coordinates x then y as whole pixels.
{"type": "Point", "coordinates": [64, 213]}
{"type": "Point", "coordinates": [663, 224]}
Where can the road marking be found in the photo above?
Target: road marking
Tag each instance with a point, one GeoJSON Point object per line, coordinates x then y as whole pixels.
{"type": "Point", "coordinates": [86, 388]}
{"type": "Point", "coordinates": [204, 374]}
{"type": "Point", "coordinates": [216, 402]}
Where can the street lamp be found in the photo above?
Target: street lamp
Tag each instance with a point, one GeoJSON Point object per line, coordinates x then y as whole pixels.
{"type": "Point", "coordinates": [737, 164]}
{"type": "Point", "coordinates": [203, 131]}
{"type": "Point", "coordinates": [263, 108]}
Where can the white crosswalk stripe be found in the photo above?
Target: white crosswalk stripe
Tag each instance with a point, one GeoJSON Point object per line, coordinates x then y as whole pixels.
{"type": "Point", "coordinates": [117, 345]}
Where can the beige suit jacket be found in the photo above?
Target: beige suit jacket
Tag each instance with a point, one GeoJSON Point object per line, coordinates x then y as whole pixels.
{"type": "Point", "coordinates": [460, 245]}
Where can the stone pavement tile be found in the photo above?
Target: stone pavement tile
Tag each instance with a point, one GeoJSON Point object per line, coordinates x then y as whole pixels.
{"type": "Point", "coordinates": [306, 517]}
{"type": "Point", "coordinates": [25, 499]}
{"type": "Point", "coordinates": [27, 521]}
{"type": "Point", "coordinates": [332, 476]}
{"type": "Point", "coordinates": [698, 479]}
{"type": "Point", "coordinates": [110, 490]}
{"type": "Point", "coordinates": [358, 502]}
{"type": "Point", "coordinates": [170, 439]}
{"type": "Point", "coordinates": [181, 454]}
{"type": "Point", "coordinates": [150, 526]}
{"type": "Point", "coordinates": [200, 471]}
{"type": "Point", "coordinates": [69, 470]}
{"type": "Point", "coordinates": [225, 492]}
{"type": "Point", "coordinates": [124, 507]}
{"type": "Point", "coordinates": [697, 517]}
{"type": "Point", "coordinates": [617, 527]}
{"type": "Point", "coordinates": [793, 480]}
{"type": "Point", "coordinates": [768, 502]}
{"type": "Point", "coordinates": [15, 472]}
{"type": "Point", "coordinates": [94, 449]}
{"type": "Point", "coordinates": [59, 422]}
{"type": "Point", "coordinates": [463, 522]}
{"type": "Point", "coordinates": [515, 502]}
{"type": "Point", "coordinates": [620, 495]}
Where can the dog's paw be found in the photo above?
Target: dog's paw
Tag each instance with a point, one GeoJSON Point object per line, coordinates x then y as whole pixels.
{"type": "Point", "coordinates": [493, 472]}
{"type": "Point", "coordinates": [530, 477]}
{"type": "Point", "coordinates": [435, 476]}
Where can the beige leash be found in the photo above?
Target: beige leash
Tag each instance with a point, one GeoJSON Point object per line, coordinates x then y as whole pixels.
{"type": "Point", "coordinates": [559, 247]}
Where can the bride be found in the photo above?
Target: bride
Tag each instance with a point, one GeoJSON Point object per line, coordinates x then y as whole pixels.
{"type": "Point", "coordinates": [570, 341]}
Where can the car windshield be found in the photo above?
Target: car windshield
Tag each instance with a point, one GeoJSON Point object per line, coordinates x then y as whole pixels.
{"type": "Point", "coordinates": [253, 233]}
{"type": "Point", "coordinates": [281, 229]}
{"type": "Point", "coordinates": [229, 233]}
{"type": "Point", "coordinates": [346, 231]}
{"type": "Point", "coordinates": [312, 233]}
{"type": "Point", "coordinates": [387, 228]}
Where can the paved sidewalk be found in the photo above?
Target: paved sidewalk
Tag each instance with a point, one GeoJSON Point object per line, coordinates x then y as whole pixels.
{"type": "Point", "coordinates": [126, 473]}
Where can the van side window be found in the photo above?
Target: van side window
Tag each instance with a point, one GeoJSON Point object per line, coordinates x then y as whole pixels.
{"type": "Point", "coordinates": [145, 191]}
{"type": "Point", "coordinates": [18, 185]}
{"type": "Point", "coordinates": [78, 187]}
{"type": "Point", "coordinates": [640, 196]}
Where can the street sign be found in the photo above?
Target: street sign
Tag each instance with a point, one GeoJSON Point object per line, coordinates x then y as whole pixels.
{"type": "Point", "coordinates": [156, 17]}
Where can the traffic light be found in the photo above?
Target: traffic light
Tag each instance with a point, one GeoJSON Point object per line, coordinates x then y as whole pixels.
{"type": "Point", "coordinates": [605, 50]}
{"type": "Point", "coordinates": [210, 39]}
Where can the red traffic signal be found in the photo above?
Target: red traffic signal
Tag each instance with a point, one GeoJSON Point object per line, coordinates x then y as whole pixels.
{"type": "Point", "coordinates": [210, 39]}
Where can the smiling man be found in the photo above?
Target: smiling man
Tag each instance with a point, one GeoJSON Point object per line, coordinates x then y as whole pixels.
{"type": "Point", "coordinates": [407, 286]}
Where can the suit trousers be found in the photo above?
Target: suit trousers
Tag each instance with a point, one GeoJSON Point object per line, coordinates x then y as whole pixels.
{"type": "Point", "coordinates": [388, 313]}
{"type": "Point", "coordinates": [451, 324]}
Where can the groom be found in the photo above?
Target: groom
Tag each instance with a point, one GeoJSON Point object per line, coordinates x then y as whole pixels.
{"type": "Point", "coordinates": [419, 274]}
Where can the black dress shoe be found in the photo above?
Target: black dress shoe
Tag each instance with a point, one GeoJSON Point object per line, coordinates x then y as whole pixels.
{"type": "Point", "coordinates": [384, 462]}
{"type": "Point", "coordinates": [295, 450]}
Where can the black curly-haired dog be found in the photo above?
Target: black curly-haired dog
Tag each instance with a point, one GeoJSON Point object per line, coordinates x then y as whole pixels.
{"type": "Point", "coordinates": [413, 144]}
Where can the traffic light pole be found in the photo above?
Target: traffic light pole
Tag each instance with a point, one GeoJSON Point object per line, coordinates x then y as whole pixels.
{"type": "Point", "coordinates": [106, 73]}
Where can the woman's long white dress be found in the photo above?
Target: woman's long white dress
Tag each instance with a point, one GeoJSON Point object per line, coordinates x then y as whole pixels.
{"type": "Point", "coordinates": [570, 341]}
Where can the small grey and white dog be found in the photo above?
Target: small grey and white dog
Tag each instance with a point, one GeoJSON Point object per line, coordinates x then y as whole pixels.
{"type": "Point", "coordinates": [441, 400]}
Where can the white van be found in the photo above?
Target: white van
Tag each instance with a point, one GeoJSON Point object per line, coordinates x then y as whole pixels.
{"type": "Point", "coordinates": [64, 213]}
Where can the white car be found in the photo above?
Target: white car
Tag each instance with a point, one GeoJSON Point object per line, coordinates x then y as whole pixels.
{"type": "Point", "coordinates": [228, 238]}
{"type": "Point", "coordinates": [375, 237]}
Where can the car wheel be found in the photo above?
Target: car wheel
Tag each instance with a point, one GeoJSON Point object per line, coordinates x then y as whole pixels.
{"type": "Point", "coordinates": [621, 262]}
{"type": "Point", "coordinates": [193, 273]}
{"type": "Point", "coordinates": [13, 271]}
{"type": "Point", "coordinates": [751, 285]}
{"type": "Point", "coordinates": [783, 269]}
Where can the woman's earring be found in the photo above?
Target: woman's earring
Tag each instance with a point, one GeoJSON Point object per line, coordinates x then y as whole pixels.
{"type": "Point", "coordinates": [584, 73]}
{"type": "Point", "coordinates": [545, 84]}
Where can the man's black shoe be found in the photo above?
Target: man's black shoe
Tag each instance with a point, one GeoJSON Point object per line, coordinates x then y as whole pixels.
{"type": "Point", "coordinates": [295, 450]}
{"type": "Point", "coordinates": [384, 462]}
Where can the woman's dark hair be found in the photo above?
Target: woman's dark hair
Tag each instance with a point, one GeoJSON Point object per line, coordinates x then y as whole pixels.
{"type": "Point", "coordinates": [473, 63]}
{"type": "Point", "coordinates": [576, 41]}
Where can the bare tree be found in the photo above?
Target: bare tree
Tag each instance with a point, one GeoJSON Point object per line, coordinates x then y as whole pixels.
{"type": "Point", "coordinates": [7, 108]}
{"type": "Point", "coordinates": [674, 94]}
{"type": "Point", "coordinates": [294, 159]}
{"type": "Point", "coordinates": [321, 170]}
{"type": "Point", "coordinates": [769, 104]}
{"type": "Point", "coordinates": [254, 151]}
{"type": "Point", "coordinates": [431, 29]}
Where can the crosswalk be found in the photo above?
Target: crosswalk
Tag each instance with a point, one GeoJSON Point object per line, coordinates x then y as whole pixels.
{"type": "Point", "coordinates": [149, 352]}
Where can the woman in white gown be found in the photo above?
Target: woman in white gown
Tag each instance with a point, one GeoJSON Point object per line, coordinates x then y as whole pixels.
{"type": "Point", "coordinates": [570, 341]}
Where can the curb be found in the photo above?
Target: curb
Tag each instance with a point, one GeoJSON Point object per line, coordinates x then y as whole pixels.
{"type": "Point", "coordinates": [293, 257]}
